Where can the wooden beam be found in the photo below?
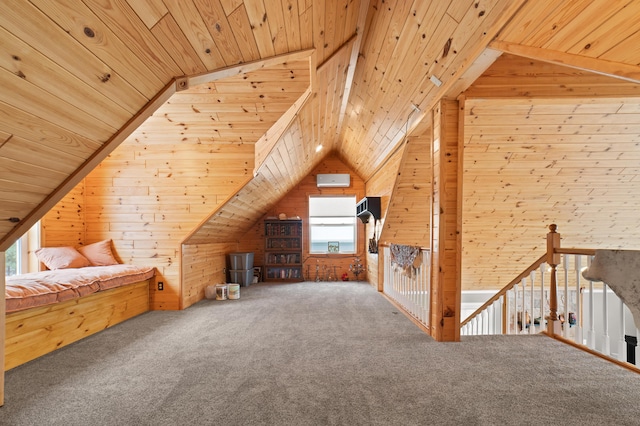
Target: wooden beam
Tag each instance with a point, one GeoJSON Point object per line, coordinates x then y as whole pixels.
{"type": "Point", "coordinates": [617, 70]}
{"type": "Point", "coordinates": [475, 70]}
{"type": "Point", "coordinates": [355, 51]}
{"type": "Point", "coordinates": [91, 163]}
{"type": "Point", "coordinates": [300, 55]}
{"type": "Point", "coordinates": [3, 321]}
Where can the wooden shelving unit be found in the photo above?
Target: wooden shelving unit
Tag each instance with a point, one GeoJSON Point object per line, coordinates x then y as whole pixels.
{"type": "Point", "coordinates": [283, 250]}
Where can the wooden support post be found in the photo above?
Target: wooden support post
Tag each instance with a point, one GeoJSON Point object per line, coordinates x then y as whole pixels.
{"type": "Point", "coordinates": [553, 259]}
{"type": "Point", "coordinates": [446, 239]}
{"type": "Point", "coordinates": [3, 321]}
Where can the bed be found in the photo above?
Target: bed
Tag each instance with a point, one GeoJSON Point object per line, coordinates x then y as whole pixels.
{"type": "Point", "coordinates": [50, 309]}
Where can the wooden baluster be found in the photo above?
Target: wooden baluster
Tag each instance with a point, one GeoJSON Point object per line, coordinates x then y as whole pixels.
{"type": "Point", "coordinates": [553, 259]}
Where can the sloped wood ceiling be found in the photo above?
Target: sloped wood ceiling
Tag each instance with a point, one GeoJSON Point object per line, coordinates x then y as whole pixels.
{"type": "Point", "coordinates": [292, 157]}
{"type": "Point", "coordinates": [75, 75]}
{"type": "Point", "coordinates": [406, 44]}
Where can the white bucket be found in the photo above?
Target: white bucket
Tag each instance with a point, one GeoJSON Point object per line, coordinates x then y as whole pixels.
{"type": "Point", "coordinates": [210, 292]}
{"type": "Point", "coordinates": [221, 292]}
{"type": "Point", "coordinates": [234, 291]}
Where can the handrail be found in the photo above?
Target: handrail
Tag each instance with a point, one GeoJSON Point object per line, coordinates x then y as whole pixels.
{"type": "Point", "coordinates": [552, 250]}
{"type": "Point", "coordinates": [529, 304]}
{"type": "Point", "coordinates": [535, 265]}
{"type": "Point", "coordinates": [584, 251]}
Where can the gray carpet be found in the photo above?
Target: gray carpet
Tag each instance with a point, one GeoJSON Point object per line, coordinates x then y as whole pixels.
{"type": "Point", "coordinates": [312, 354]}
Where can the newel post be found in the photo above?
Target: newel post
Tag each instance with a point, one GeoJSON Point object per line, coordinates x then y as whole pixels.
{"type": "Point", "coordinates": [553, 259]}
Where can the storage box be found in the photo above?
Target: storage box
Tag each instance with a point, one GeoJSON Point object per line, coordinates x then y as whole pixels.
{"type": "Point", "coordinates": [241, 261]}
{"type": "Point", "coordinates": [244, 277]}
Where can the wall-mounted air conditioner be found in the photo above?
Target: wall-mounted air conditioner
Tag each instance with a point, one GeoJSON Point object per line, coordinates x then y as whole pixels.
{"type": "Point", "coordinates": [336, 180]}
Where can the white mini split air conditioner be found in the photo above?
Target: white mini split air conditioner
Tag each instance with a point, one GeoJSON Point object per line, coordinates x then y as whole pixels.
{"type": "Point", "coordinates": [333, 180]}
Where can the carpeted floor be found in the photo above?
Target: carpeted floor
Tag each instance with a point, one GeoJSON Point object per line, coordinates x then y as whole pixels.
{"type": "Point", "coordinates": [312, 354]}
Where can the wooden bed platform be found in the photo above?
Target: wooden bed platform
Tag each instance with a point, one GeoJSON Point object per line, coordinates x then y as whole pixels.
{"type": "Point", "coordinates": [37, 331]}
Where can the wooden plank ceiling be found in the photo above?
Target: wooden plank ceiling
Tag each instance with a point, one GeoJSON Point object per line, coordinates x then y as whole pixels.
{"type": "Point", "coordinates": [77, 75]}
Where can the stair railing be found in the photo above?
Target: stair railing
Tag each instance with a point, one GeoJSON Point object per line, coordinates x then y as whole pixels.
{"type": "Point", "coordinates": [551, 296]}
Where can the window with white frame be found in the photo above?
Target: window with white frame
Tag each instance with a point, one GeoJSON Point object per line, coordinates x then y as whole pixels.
{"type": "Point", "coordinates": [16, 256]}
{"type": "Point", "coordinates": [332, 224]}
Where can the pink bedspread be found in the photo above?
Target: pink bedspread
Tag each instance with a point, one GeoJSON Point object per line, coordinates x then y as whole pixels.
{"type": "Point", "coordinates": [43, 288]}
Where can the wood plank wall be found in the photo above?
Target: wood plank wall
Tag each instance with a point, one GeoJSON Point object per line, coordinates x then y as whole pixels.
{"type": "Point", "coordinates": [404, 187]}
{"type": "Point", "coordinates": [147, 202]}
{"type": "Point", "coordinates": [408, 219]}
{"type": "Point", "coordinates": [545, 143]}
{"type": "Point", "coordinates": [202, 265]}
{"type": "Point", "coordinates": [381, 185]}
{"type": "Point", "coordinates": [295, 203]}
{"type": "Point", "coordinates": [532, 162]}
{"type": "Point", "coordinates": [64, 225]}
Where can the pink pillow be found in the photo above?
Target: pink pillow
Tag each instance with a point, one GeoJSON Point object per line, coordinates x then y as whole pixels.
{"type": "Point", "coordinates": [61, 258]}
{"type": "Point", "coordinates": [99, 254]}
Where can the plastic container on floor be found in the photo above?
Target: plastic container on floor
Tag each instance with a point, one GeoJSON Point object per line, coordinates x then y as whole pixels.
{"type": "Point", "coordinates": [244, 277]}
{"type": "Point", "coordinates": [241, 261]}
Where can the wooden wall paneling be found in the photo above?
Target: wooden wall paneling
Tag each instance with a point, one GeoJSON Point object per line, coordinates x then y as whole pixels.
{"type": "Point", "coordinates": [295, 203]}
{"type": "Point", "coordinates": [92, 161]}
{"type": "Point", "coordinates": [202, 265]}
{"type": "Point", "coordinates": [381, 184]}
{"type": "Point", "coordinates": [64, 224]}
{"type": "Point", "coordinates": [407, 219]}
{"type": "Point", "coordinates": [174, 210]}
{"type": "Point", "coordinates": [517, 183]}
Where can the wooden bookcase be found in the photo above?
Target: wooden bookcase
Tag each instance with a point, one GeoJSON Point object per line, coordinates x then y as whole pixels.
{"type": "Point", "coordinates": [283, 250]}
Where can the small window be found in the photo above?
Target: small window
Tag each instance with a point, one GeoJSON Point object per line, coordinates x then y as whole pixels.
{"type": "Point", "coordinates": [332, 224]}
{"type": "Point", "coordinates": [12, 262]}
{"type": "Point", "coordinates": [16, 257]}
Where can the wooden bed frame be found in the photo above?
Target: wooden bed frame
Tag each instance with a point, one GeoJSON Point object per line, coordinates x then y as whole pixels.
{"type": "Point", "coordinates": [37, 331]}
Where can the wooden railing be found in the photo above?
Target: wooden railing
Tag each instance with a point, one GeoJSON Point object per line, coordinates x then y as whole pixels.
{"type": "Point", "coordinates": [552, 296]}
{"type": "Point", "coordinates": [412, 291]}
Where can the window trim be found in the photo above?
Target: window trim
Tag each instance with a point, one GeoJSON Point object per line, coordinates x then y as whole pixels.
{"type": "Point", "coordinates": [354, 225]}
